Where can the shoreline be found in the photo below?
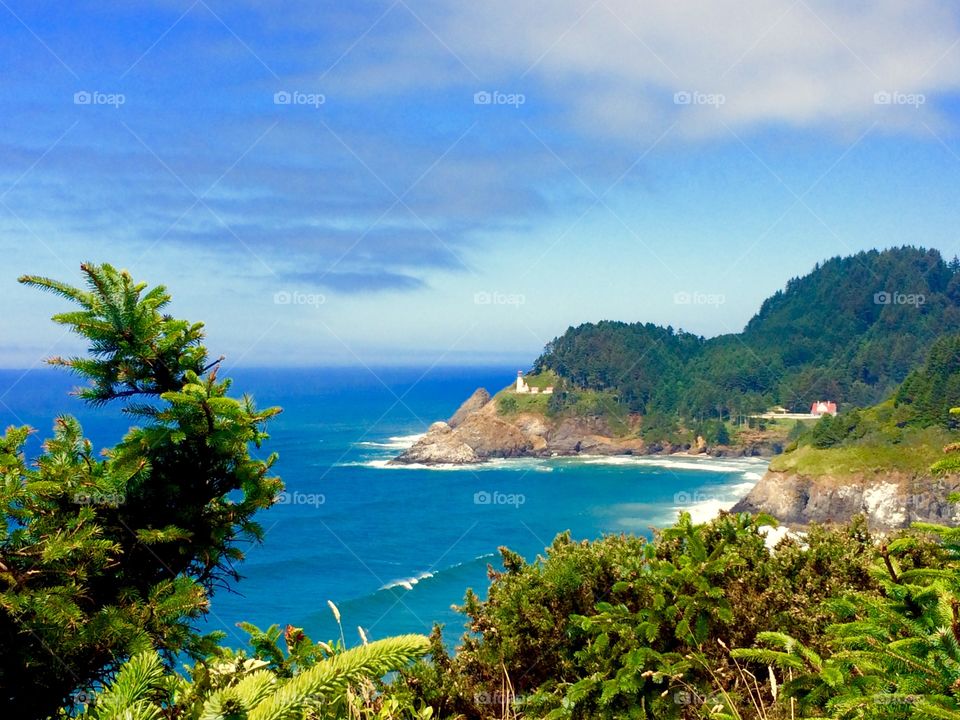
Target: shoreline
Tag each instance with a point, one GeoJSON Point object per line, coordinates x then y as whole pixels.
{"type": "Point", "coordinates": [703, 499]}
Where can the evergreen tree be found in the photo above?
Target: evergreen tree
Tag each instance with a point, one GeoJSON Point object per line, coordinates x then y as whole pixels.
{"type": "Point", "coordinates": [110, 555]}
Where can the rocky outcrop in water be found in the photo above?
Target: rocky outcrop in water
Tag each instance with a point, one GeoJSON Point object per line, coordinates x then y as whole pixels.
{"type": "Point", "coordinates": [439, 446]}
{"type": "Point", "coordinates": [477, 432]}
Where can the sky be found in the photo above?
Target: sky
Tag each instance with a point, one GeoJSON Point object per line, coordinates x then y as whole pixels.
{"type": "Point", "coordinates": [423, 182]}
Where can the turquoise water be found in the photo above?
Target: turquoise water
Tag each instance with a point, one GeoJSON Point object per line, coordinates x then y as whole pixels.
{"type": "Point", "coordinates": [393, 547]}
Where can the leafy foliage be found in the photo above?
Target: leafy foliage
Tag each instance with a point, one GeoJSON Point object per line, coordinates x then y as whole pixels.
{"type": "Point", "coordinates": [622, 627]}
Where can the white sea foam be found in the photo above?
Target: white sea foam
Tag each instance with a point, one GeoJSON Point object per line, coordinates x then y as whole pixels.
{"type": "Point", "coordinates": [385, 464]}
{"type": "Point", "coordinates": [524, 464]}
{"type": "Point", "coordinates": [707, 502]}
{"type": "Point", "coordinates": [407, 583]}
{"type": "Point", "coordinates": [706, 510]}
{"type": "Point", "coordinates": [747, 466]}
{"type": "Point", "coordinates": [396, 442]}
{"type": "Point", "coordinates": [673, 462]}
{"type": "Point", "coordinates": [773, 535]}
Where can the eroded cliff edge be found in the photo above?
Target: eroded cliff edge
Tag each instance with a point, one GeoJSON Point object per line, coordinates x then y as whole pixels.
{"type": "Point", "coordinates": [888, 499]}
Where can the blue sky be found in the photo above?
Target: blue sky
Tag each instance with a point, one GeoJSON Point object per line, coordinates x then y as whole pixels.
{"type": "Point", "coordinates": [421, 182]}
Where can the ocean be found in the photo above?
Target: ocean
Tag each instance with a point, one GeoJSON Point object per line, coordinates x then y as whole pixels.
{"type": "Point", "coordinates": [395, 547]}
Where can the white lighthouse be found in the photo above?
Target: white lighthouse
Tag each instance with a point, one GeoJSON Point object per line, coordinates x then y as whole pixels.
{"type": "Point", "coordinates": [522, 386]}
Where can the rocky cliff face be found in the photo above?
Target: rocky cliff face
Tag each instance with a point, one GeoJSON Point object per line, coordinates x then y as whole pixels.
{"type": "Point", "coordinates": [477, 432]}
{"type": "Point", "coordinates": [473, 403]}
{"type": "Point", "coordinates": [889, 500]}
{"type": "Point", "coordinates": [474, 433]}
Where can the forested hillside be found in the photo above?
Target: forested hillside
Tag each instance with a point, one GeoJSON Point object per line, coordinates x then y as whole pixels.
{"type": "Point", "coordinates": [850, 331]}
{"type": "Point", "coordinates": [923, 401]}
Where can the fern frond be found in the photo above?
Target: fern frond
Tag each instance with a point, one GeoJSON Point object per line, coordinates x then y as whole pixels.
{"type": "Point", "coordinates": [331, 676]}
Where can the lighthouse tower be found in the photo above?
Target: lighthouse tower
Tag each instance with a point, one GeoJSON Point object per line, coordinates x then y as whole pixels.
{"type": "Point", "coordinates": [521, 383]}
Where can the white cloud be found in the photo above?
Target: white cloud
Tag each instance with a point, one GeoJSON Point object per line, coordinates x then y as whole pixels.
{"type": "Point", "coordinates": [614, 66]}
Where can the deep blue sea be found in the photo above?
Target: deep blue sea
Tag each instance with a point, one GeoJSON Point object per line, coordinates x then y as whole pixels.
{"type": "Point", "coordinates": [395, 547]}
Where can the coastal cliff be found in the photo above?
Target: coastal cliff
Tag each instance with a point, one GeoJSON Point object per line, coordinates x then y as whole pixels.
{"type": "Point", "coordinates": [888, 500]}
{"type": "Point", "coordinates": [479, 430]}
{"type": "Point", "coordinates": [890, 483]}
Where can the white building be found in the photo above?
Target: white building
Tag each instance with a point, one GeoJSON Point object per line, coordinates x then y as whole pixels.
{"type": "Point", "coordinates": [525, 389]}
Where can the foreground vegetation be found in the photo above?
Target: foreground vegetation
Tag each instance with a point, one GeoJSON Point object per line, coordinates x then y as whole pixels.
{"type": "Point", "coordinates": [107, 561]}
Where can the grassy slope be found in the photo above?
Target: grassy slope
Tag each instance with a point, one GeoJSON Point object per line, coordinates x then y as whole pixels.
{"type": "Point", "coordinates": [914, 453]}
{"type": "Point", "coordinates": [593, 402]}
{"type": "Point", "coordinates": [520, 403]}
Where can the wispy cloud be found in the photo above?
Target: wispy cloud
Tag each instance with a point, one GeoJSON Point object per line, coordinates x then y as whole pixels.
{"type": "Point", "coordinates": [401, 148]}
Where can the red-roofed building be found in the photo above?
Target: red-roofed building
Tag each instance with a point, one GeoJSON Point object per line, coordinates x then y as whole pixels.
{"type": "Point", "coordinates": [823, 407]}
